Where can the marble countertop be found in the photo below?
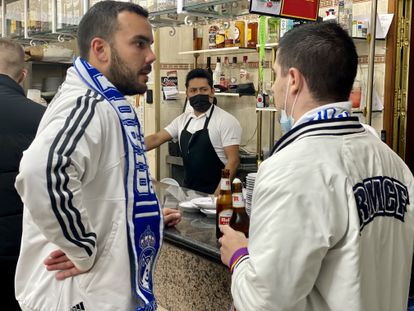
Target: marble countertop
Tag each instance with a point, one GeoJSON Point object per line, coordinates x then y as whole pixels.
{"type": "Point", "coordinates": [196, 232]}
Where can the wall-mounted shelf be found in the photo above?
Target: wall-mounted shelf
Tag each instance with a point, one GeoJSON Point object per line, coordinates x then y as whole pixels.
{"type": "Point", "coordinates": [267, 109]}
{"type": "Point", "coordinates": [223, 94]}
{"type": "Point", "coordinates": [269, 46]}
{"type": "Point", "coordinates": [234, 50]}
{"type": "Point", "coordinates": [359, 39]}
{"type": "Point", "coordinates": [68, 63]}
{"type": "Point", "coordinates": [357, 111]}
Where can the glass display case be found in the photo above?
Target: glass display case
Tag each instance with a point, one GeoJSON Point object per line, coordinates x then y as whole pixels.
{"type": "Point", "coordinates": [69, 13]}
{"type": "Point", "coordinates": [14, 19]}
{"type": "Point", "coordinates": [39, 17]}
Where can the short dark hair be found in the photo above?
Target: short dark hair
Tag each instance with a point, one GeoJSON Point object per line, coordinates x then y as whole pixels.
{"type": "Point", "coordinates": [199, 73]}
{"type": "Point", "coordinates": [101, 21]}
{"type": "Point", "coordinates": [325, 55]}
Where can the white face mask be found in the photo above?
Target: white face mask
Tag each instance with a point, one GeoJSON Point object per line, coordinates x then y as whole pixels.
{"type": "Point", "coordinates": [286, 123]}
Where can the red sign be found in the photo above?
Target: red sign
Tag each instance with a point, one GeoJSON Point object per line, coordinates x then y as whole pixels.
{"type": "Point", "coordinates": [301, 9]}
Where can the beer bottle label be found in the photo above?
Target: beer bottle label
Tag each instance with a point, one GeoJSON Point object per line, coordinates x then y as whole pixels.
{"type": "Point", "coordinates": [224, 217]}
{"type": "Point", "coordinates": [225, 184]}
{"type": "Point", "coordinates": [237, 199]}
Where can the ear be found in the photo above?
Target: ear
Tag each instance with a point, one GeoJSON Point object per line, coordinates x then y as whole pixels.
{"type": "Point", "coordinates": [296, 80]}
{"type": "Point", "coordinates": [22, 76]}
{"type": "Point", "coordinates": [100, 50]}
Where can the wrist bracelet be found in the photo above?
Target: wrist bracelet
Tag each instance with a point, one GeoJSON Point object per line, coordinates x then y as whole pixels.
{"type": "Point", "coordinates": [241, 252]}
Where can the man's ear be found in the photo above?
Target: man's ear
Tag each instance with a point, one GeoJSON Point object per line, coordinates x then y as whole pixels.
{"type": "Point", "coordinates": [22, 76]}
{"type": "Point", "coordinates": [100, 50]}
{"type": "Point", "coordinates": [296, 80]}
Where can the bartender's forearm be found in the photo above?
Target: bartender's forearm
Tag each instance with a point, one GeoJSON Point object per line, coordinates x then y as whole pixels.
{"type": "Point", "coordinates": [232, 164]}
{"type": "Point", "coordinates": [150, 142]}
{"type": "Point", "coordinates": [154, 140]}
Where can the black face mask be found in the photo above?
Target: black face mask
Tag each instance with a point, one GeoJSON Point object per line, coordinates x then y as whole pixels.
{"type": "Point", "coordinates": [200, 102]}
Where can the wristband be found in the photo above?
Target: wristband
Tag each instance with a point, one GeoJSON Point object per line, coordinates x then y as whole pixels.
{"type": "Point", "coordinates": [241, 252]}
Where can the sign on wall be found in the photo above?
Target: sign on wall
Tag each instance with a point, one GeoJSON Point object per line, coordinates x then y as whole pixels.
{"type": "Point", "coordinates": [298, 9]}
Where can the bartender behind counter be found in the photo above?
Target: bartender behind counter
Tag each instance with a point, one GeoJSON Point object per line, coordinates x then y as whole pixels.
{"type": "Point", "coordinates": [209, 137]}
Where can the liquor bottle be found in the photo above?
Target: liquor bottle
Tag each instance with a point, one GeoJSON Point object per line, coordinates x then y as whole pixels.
{"type": "Point", "coordinates": [239, 220]}
{"type": "Point", "coordinates": [220, 36]}
{"type": "Point", "coordinates": [225, 74]}
{"type": "Point", "coordinates": [244, 74]}
{"type": "Point", "coordinates": [197, 38]}
{"type": "Point", "coordinates": [209, 66]}
{"type": "Point", "coordinates": [234, 73]}
{"type": "Point", "coordinates": [212, 33]}
{"type": "Point", "coordinates": [239, 36]}
{"type": "Point", "coordinates": [217, 74]}
{"type": "Point", "coordinates": [252, 34]}
{"type": "Point", "coordinates": [228, 37]}
{"type": "Point", "coordinates": [223, 205]}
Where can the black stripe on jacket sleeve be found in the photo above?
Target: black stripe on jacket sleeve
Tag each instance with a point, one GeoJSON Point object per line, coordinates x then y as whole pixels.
{"type": "Point", "coordinates": [59, 159]}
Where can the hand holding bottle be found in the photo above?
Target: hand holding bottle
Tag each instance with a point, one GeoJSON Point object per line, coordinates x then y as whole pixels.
{"type": "Point", "coordinates": [231, 241]}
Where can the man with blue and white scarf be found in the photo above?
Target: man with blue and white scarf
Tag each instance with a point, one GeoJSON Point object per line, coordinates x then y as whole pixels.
{"type": "Point", "coordinates": [93, 227]}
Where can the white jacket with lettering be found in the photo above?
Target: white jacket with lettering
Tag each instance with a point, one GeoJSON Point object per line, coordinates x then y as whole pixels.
{"type": "Point", "coordinates": [331, 226]}
{"type": "Point", "coordinates": [72, 184]}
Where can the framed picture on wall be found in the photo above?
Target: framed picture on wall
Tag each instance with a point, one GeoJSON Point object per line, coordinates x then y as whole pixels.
{"type": "Point", "coordinates": [296, 9]}
{"type": "Point", "coordinates": [266, 7]}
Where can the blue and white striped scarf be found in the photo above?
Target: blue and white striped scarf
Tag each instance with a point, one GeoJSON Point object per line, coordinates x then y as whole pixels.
{"type": "Point", "coordinates": [144, 216]}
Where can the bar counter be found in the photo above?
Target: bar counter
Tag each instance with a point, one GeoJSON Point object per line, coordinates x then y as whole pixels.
{"type": "Point", "coordinates": [189, 274]}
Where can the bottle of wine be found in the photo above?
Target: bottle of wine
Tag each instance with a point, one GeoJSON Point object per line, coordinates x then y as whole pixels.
{"type": "Point", "coordinates": [209, 67]}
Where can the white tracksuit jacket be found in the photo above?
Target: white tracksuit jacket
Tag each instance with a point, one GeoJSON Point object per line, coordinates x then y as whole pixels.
{"type": "Point", "coordinates": [72, 184]}
{"type": "Point", "coordinates": [331, 226]}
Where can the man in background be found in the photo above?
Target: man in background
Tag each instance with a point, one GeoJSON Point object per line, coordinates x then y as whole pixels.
{"type": "Point", "coordinates": [19, 118]}
{"type": "Point", "coordinates": [209, 137]}
{"type": "Point", "coordinates": [93, 227]}
{"type": "Point", "coordinates": [332, 216]}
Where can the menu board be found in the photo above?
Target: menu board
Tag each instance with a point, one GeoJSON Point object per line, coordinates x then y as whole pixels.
{"type": "Point", "coordinates": [297, 9]}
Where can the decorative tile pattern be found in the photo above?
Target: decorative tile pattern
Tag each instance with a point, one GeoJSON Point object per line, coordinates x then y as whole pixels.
{"type": "Point", "coordinates": [166, 66]}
